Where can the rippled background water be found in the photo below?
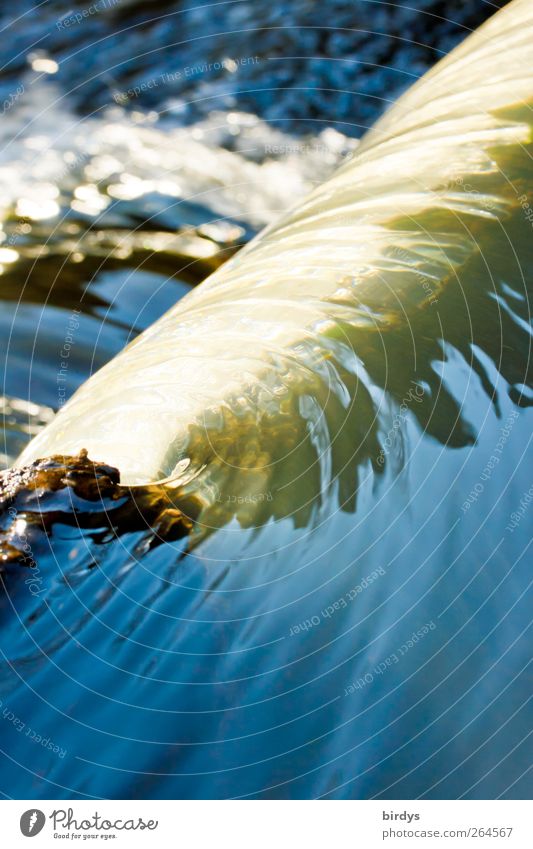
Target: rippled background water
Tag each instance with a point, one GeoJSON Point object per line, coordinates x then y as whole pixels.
{"type": "Point", "coordinates": [129, 170]}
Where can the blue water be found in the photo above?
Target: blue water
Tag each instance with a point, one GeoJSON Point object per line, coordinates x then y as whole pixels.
{"type": "Point", "coordinates": [279, 663]}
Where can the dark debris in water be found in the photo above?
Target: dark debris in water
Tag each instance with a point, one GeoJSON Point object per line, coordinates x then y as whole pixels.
{"type": "Point", "coordinates": [77, 492]}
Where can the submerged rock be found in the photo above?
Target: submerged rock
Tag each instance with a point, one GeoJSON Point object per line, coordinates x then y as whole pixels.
{"type": "Point", "coordinates": [76, 491]}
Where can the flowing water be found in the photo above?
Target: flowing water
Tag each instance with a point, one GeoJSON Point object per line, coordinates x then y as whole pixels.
{"type": "Point", "coordinates": [365, 639]}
